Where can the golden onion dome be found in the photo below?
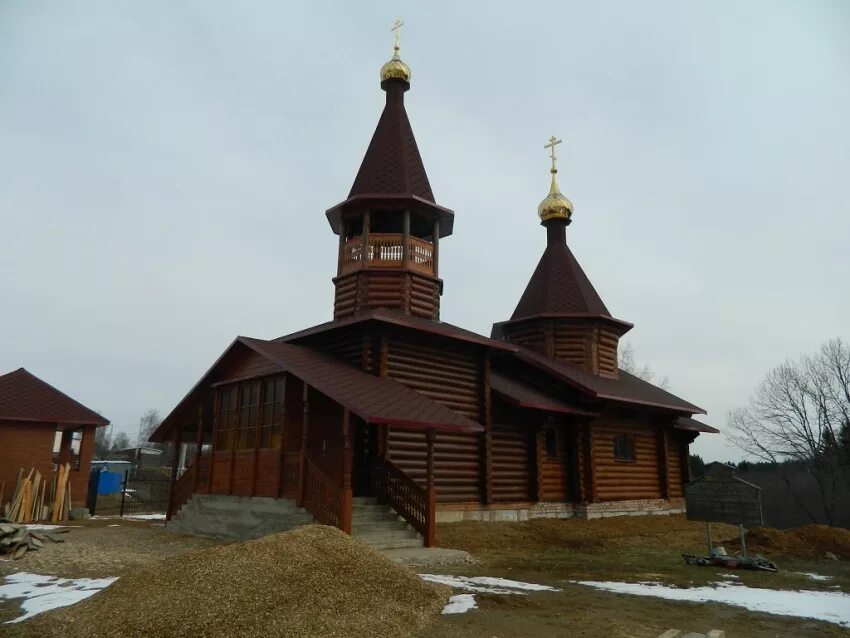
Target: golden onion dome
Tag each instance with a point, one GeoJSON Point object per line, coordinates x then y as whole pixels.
{"type": "Point", "coordinates": [555, 205]}
{"type": "Point", "coordinates": [395, 69]}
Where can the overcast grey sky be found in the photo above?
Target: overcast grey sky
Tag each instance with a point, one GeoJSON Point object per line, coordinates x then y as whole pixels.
{"type": "Point", "coordinates": [165, 166]}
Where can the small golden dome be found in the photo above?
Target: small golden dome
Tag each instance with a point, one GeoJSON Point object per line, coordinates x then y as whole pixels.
{"type": "Point", "coordinates": [395, 69]}
{"type": "Point", "coordinates": [555, 205]}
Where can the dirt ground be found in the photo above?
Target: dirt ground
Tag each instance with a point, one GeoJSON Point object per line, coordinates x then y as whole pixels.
{"type": "Point", "coordinates": [550, 552]}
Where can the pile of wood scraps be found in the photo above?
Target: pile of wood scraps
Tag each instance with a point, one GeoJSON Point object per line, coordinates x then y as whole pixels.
{"type": "Point", "coordinates": [17, 540]}
{"type": "Point", "coordinates": [37, 498]}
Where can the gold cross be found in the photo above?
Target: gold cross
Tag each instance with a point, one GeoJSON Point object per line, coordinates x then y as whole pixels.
{"type": "Point", "coordinates": [397, 25]}
{"type": "Point", "coordinates": [553, 141]}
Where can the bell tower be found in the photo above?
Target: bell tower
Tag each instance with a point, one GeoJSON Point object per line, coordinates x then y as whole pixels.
{"type": "Point", "coordinates": [560, 314]}
{"type": "Point", "coordinates": [390, 226]}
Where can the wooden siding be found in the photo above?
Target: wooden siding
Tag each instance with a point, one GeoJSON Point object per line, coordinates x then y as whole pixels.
{"type": "Point", "coordinates": [626, 480]}
{"type": "Point", "coordinates": [412, 293]}
{"type": "Point", "coordinates": [554, 474]}
{"type": "Point", "coordinates": [511, 472]}
{"type": "Point", "coordinates": [457, 462]}
{"type": "Point", "coordinates": [675, 443]}
{"type": "Point", "coordinates": [424, 297]}
{"type": "Point", "coordinates": [607, 348]}
{"type": "Point", "coordinates": [530, 335]}
{"type": "Point", "coordinates": [451, 377]}
{"type": "Point", "coordinates": [571, 342]}
{"type": "Point", "coordinates": [345, 299]}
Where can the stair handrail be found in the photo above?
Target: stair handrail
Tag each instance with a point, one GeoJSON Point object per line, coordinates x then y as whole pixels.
{"type": "Point", "coordinates": [181, 490]}
{"type": "Point", "coordinates": [329, 503]}
{"type": "Point", "coordinates": [414, 503]}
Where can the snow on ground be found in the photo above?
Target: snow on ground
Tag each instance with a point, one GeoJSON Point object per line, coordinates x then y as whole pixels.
{"type": "Point", "coordinates": [43, 593]}
{"type": "Point", "coordinates": [814, 576]}
{"type": "Point", "coordinates": [461, 603]}
{"type": "Point", "coordinates": [47, 528]}
{"type": "Point", "coordinates": [135, 517]}
{"type": "Point", "coordinates": [831, 606]}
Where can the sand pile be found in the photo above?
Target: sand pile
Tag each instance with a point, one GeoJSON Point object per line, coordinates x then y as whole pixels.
{"type": "Point", "coordinates": [312, 581]}
{"type": "Point", "coordinates": [809, 541]}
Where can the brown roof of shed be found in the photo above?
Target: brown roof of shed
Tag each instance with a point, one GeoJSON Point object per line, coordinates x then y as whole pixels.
{"type": "Point", "coordinates": [627, 388]}
{"type": "Point", "coordinates": [374, 399]}
{"type": "Point", "coordinates": [25, 397]}
{"type": "Point", "coordinates": [527, 396]}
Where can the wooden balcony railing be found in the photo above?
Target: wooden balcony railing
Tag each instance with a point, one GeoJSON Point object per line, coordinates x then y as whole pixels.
{"type": "Point", "coordinates": [324, 499]}
{"type": "Point", "coordinates": [386, 250]}
{"type": "Point", "coordinates": [414, 503]}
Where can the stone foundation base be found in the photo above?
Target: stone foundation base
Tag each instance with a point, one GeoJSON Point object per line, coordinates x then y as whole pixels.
{"type": "Point", "coordinates": [456, 512]}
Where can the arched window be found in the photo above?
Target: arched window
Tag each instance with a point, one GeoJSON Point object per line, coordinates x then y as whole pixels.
{"type": "Point", "coordinates": [624, 448]}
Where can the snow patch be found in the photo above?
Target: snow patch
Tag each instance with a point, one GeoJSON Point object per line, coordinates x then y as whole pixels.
{"type": "Point", "coordinates": [43, 593]}
{"type": "Point", "coordinates": [486, 584]}
{"type": "Point", "coordinates": [460, 604]}
{"type": "Point", "coordinates": [813, 576]}
{"type": "Point", "coordinates": [830, 606]}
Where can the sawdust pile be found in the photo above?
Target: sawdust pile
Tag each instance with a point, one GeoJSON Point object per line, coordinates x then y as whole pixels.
{"type": "Point", "coordinates": [809, 541]}
{"type": "Point", "coordinates": [312, 581]}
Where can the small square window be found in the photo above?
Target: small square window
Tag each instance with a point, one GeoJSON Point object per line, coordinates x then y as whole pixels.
{"type": "Point", "coordinates": [624, 448]}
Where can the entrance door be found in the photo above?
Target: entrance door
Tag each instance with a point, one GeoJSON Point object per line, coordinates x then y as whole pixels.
{"type": "Point", "coordinates": [365, 454]}
{"type": "Point", "coordinates": [553, 462]}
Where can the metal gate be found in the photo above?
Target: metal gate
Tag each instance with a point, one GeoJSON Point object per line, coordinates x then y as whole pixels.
{"type": "Point", "coordinates": [143, 490]}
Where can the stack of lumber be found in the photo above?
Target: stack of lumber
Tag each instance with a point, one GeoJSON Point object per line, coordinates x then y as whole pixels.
{"type": "Point", "coordinates": [17, 540]}
{"type": "Point", "coordinates": [36, 498]}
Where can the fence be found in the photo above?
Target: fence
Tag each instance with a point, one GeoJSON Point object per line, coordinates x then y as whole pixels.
{"type": "Point", "coordinates": [142, 490]}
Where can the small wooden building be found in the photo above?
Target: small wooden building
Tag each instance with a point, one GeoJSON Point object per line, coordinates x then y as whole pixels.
{"type": "Point", "coordinates": [40, 427]}
{"type": "Point", "coordinates": [444, 424]}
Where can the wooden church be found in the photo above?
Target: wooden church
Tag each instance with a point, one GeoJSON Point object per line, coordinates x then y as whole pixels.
{"type": "Point", "coordinates": [388, 407]}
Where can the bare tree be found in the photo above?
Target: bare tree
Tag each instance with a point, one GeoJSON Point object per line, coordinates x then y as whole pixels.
{"type": "Point", "coordinates": [102, 442]}
{"type": "Point", "coordinates": [120, 441]}
{"type": "Point", "coordinates": [627, 362]}
{"type": "Point", "coordinates": [148, 422]}
{"type": "Point", "coordinates": [801, 412]}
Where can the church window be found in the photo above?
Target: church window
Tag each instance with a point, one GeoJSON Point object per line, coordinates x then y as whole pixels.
{"type": "Point", "coordinates": [624, 448]}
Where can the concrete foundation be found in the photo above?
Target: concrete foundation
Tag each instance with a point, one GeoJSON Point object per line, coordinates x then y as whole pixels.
{"type": "Point", "coordinates": [454, 513]}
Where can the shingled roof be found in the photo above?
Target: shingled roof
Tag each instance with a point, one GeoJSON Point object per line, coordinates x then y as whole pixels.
{"type": "Point", "coordinates": [375, 399]}
{"type": "Point", "coordinates": [392, 164]}
{"type": "Point", "coordinates": [558, 287]}
{"type": "Point", "coordinates": [25, 397]}
{"type": "Point", "coordinates": [626, 389]}
{"type": "Point", "coordinates": [527, 396]}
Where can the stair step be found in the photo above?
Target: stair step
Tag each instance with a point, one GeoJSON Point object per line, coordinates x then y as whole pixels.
{"type": "Point", "coordinates": [393, 544]}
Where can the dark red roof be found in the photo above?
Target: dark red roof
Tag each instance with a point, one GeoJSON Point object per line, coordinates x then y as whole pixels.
{"type": "Point", "coordinates": [25, 397]}
{"type": "Point", "coordinates": [392, 164]}
{"type": "Point", "coordinates": [559, 287]}
{"type": "Point", "coordinates": [374, 399]}
{"type": "Point", "coordinates": [692, 425]}
{"type": "Point", "coordinates": [527, 396]}
{"type": "Point", "coordinates": [627, 388]}
{"type": "Point", "coordinates": [397, 318]}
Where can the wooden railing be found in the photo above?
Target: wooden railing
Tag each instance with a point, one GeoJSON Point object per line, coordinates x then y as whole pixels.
{"type": "Point", "coordinates": [181, 491]}
{"type": "Point", "coordinates": [386, 250]}
{"type": "Point", "coordinates": [414, 503]}
{"type": "Point", "coordinates": [324, 499]}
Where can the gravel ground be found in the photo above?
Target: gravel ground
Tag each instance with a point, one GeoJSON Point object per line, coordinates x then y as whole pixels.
{"type": "Point", "coordinates": [104, 547]}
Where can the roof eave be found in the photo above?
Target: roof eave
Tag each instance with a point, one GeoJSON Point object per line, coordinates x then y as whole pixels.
{"type": "Point", "coordinates": [445, 215]}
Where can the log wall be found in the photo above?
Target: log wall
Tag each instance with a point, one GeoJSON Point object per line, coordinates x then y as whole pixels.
{"type": "Point", "coordinates": [407, 291]}
{"type": "Point", "coordinates": [554, 472]}
{"type": "Point", "coordinates": [675, 446]}
{"type": "Point", "coordinates": [512, 470]}
{"type": "Point", "coordinates": [626, 480]}
{"type": "Point", "coordinates": [457, 462]}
